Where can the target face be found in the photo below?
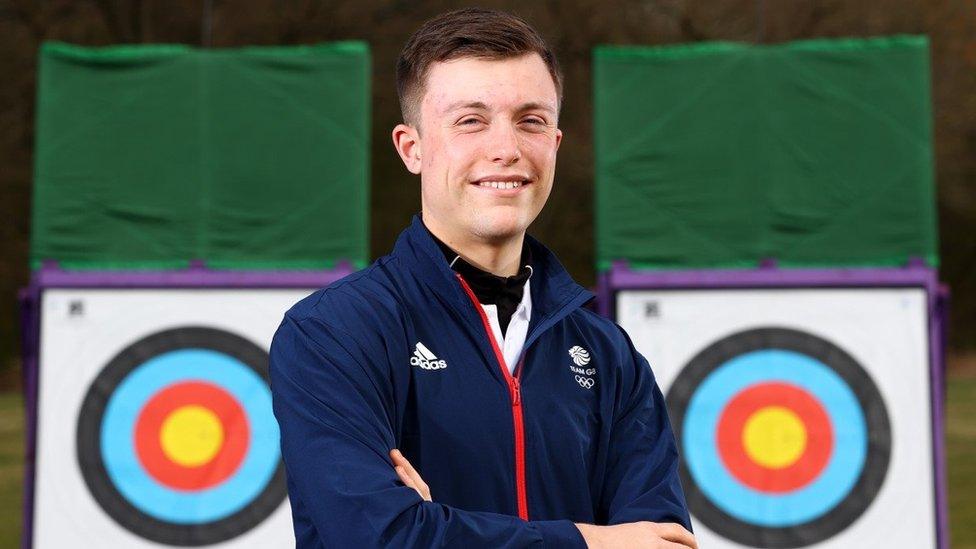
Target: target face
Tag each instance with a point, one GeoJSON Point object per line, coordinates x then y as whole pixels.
{"type": "Point", "coordinates": [774, 427]}
{"type": "Point", "coordinates": [803, 416]}
{"type": "Point", "coordinates": [165, 437]}
{"type": "Point", "coordinates": [154, 420]}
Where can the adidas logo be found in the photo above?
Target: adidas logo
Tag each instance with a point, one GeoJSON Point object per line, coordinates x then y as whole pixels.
{"type": "Point", "coordinates": [425, 359]}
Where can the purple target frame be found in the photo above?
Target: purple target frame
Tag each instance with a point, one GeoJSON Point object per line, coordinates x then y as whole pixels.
{"type": "Point", "coordinates": [915, 274]}
{"type": "Point", "coordinates": [50, 276]}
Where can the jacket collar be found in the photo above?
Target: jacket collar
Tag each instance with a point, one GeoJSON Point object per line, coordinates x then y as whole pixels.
{"type": "Point", "coordinates": [554, 292]}
{"type": "Point", "coordinates": [488, 287]}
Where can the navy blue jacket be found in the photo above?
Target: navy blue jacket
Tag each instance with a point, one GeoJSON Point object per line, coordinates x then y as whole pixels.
{"type": "Point", "coordinates": [579, 433]}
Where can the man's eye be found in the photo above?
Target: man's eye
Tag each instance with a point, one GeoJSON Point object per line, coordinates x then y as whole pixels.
{"type": "Point", "coordinates": [468, 121]}
{"type": "Point", "coordinates": [535, 124]}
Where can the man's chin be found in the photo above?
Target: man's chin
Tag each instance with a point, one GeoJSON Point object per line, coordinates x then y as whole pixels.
{"type": "Point", "coordinates": [500, 229]}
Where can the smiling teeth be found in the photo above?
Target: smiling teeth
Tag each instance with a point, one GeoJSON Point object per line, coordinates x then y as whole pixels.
{"type": "Point", "coordinates": [501, 184]}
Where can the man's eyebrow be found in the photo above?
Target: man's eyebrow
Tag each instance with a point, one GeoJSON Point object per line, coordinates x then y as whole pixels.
{"type": "Point", "coordinates": [466, 105]}
{"type": "Point", "coordinates": [481, 106]}
{"type": "Point", "coordinates": [536, 106]}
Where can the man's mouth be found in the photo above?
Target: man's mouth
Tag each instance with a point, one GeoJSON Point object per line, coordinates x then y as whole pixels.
{"type": "Point", "coordinates": [504, 182]}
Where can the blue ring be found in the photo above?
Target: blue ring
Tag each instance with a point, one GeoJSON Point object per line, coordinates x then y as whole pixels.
{"type": "Point", "coordinates": [735, 498]}
{"type": "Point", "coordinates": [185, 507]}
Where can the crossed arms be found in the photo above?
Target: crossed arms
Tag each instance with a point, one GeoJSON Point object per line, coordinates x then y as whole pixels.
{"type": "Point", "coordinates": [332, 402]}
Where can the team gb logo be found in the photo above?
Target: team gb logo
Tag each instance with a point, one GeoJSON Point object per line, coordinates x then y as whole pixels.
{"type": "Point", "coordinates": [581, 357]}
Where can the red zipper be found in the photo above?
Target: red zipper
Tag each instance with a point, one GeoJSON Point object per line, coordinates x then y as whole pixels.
{"type": "Point", "coordinates": [516, 395]}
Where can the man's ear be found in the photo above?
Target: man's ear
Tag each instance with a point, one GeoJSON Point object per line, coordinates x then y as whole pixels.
{"type": "Point", "coordinates": [406, 141]}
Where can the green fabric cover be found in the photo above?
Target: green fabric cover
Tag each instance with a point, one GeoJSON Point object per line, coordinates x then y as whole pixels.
{"type": "Point", "coordinates": [148, 157]}
{"type": "Point", "coordinates": [718, 155]}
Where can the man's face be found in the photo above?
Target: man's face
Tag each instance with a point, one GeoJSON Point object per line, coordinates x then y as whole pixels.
{"type": "Point", "coordinates": [487, 146]}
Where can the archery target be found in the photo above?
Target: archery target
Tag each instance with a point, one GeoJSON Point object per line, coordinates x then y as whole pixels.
{"type": "Point", "coordinates": [802, 416]}
{"type": "Point", "coordinates": [155, 421]}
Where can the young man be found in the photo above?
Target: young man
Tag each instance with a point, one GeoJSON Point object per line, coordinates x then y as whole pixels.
{"type": "Point", "coordinates": [463, 365]}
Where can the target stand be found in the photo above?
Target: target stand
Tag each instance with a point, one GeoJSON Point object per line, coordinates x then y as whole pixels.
{"type": "Point", "coordinates": [806, 404]}
{"type": "Point", "coordinates": [149, 411]}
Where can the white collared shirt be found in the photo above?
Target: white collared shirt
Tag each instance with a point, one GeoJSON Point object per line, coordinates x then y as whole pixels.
{"type": "Point", "coordinates": [518, 328]}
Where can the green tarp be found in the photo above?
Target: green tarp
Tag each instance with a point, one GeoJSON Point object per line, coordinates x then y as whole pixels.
{"type": "Point", "coordinates": [148, 157]}
{"type": "Point", "coordinates": [719, 155]}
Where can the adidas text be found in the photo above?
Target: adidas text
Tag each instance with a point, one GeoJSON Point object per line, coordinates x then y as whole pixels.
{"type": "Point", "coordinates": [425, 359]}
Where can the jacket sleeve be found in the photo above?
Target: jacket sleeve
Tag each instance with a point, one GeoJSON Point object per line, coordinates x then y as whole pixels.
{"type": "Point", "coordinates": [642, 477]}
{"type": "Point", "coordinates": [333, 398]}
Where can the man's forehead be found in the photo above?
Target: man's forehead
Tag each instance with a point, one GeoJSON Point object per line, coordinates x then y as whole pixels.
{"type": "Point", "coordinates": [518, 82]}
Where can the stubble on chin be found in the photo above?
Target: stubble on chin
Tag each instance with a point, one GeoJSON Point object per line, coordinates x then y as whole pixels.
{"type": "Point", "coordinates": [498, 228]}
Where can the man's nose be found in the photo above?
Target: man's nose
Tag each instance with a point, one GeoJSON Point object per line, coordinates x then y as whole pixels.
{"type": "Point", "coordinates": [505, 147]}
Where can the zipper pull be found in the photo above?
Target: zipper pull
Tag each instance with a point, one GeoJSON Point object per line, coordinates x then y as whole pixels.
{"type": "Point", "coordinates": [516, 392]}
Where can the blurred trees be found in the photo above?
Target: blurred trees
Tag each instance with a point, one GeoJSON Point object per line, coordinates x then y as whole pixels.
{"type": "Point", "coordinates": [572, 26]}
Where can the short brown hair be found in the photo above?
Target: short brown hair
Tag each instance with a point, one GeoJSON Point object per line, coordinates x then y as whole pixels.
{"type": "Point", "coordinates": [469, 32]}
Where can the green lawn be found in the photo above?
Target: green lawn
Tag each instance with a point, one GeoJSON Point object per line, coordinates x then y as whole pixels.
{"type": "Point", "coordinates": [961, 454]}
{"type": "Point", "coordinates": [960, 442]}
{"type": "Point", "coordinates": [11, 467]}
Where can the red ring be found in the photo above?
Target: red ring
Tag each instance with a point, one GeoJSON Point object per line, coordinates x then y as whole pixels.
{"type": "Point", "coordinates": [820, 437]}
{"type": "Point", "coordinates": [179, 477]}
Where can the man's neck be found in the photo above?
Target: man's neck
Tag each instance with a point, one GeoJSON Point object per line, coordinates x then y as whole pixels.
{"type": "Point", "coordinates": [500, 258]}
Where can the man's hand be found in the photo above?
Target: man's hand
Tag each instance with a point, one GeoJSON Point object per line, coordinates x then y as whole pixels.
{"type": "Point", "coordinates": [409, 475]}
{"type": "Point", "coordinates": [638, 535]}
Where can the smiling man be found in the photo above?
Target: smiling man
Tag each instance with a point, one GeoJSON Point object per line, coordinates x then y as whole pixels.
{"type": "Point", "coordinates": [456, 393]}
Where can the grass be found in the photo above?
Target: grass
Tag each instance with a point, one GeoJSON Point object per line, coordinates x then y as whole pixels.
{"type": "Point", "coordinates": [961, 454]}
{"type": "Point", "coordinates": [11, 467]}
{"type": "Point", "coordinates": [960, 445]}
